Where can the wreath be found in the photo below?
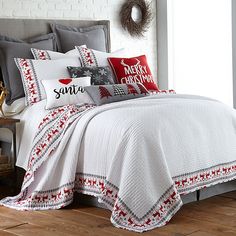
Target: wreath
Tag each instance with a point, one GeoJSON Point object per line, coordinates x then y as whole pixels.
{"type": "Point", "coordinates": [136, 29]}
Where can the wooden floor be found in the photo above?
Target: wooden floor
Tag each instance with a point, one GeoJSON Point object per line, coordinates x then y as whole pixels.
{"type": "Point", "coordinates": [212, 217]}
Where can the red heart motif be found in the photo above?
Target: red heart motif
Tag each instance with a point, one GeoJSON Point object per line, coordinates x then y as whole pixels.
{"type": "Point", "coordinates": [65, 81]}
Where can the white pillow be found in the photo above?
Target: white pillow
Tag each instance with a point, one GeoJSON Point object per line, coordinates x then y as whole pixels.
{"type": "Point", "coordinates": [90, 57]}
{"type": "Point", "coordinates": [33, 71]}
{"type": "Point", "coordinates": [66, 91]}
{"type": "Point", "coordinates": [15, 108]}
{"type": "Point", "coordinates": [52, 55]}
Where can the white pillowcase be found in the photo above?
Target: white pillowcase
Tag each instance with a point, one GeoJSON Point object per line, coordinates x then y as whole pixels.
{"type": "Point", "coordinates": [66, 91]}
{"type": "Point", "coordinates": [52, 55]}
{"type": "Point", "coordinates": [90, 57]}
{"type": "Point", "coordinates": [15, 108]}
{"type": "Point", "coordinates": [33, 71]}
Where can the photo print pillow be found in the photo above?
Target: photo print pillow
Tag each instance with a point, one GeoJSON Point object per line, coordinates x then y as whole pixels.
{"type": "Point", "coordinates": [65, 91]}
{"type": "Point", "coordinates": [133, 70]}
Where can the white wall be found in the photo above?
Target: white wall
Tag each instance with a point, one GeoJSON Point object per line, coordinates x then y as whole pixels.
{"type": "Point", "coordinates": [234, 48]}
{"type": "Point", "coordinates": [200, 48]}
{"type": "Point", "coordinates": [162, 44]}
{"type": "Point", "coordinates": [84, 10]}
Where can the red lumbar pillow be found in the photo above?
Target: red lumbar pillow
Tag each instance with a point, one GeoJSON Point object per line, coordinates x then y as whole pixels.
{"type": "Point", "coordinates": [133, 70]}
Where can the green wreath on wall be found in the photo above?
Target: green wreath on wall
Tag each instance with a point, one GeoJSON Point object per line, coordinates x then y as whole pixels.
{"type": "Point", "coordinates": [136, 28]}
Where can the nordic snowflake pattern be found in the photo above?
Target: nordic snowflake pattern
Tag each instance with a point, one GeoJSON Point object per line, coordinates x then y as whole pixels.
{"type": "Point", "coordinates": [102, 72]}
{"type": "Point", "coordinates": [88, 73]}
{"type": "Point", "coordinates": [99, 75]}
{"type": "Point", "coordinates": [98, 79]}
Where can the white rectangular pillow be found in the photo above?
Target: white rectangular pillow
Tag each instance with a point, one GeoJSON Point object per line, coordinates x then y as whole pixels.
{"type": "Point", "coordinates": [90, 57]}
{"type": "Point", "coordinates": [39, 54]}
{"type": "Point", "coordinates": [15, 108]}
{"type": "Point", "coordinates": [33, 71]}
{"type": "Point", "coordinates": [66, 91]}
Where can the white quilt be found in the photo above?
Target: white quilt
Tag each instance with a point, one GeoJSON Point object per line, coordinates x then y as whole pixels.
{"type": "Point", "coordinates": [136, 156]}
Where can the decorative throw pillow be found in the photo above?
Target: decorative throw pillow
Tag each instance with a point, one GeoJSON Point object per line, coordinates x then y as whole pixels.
{"type": "Point", "coordinates": [33, 71]}
{"type": "Point", "coordinates": [133, 70]}
{"type": "Point", "coordinates": [90, 57]}
{"type": "Point", "coordinates": [11, 48]}
{"type": "Point", "coordinates": [65, 91]}
{"type": "Point", "coordinates": [51, 55]}
{"type": "Point", "coordinates": [103, 94]}
{"type": "Point", "coordinates": [99, 75]}
{"type": "Point", "coordinates": [68, 37]}
{"type": "Point", "coordinates": [15, 108]}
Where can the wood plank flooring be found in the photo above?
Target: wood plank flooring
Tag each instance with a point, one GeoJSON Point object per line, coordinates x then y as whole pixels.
{"type": "Point", "coordinates": [215, 216]}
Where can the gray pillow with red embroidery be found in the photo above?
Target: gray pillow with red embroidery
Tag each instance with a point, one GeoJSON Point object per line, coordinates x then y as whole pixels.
{"type": "Point", "coordinates": [99, 75]}
{"type": "Point", "coordinates": [103, 94]}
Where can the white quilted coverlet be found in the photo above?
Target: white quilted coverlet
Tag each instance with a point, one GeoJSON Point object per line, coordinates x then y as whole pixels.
{"type": "Point", "coordinates": [137, 157]}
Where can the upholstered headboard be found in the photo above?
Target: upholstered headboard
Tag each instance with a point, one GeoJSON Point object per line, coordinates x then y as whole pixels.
{"type": "Point", "coordinates": [27, 28]}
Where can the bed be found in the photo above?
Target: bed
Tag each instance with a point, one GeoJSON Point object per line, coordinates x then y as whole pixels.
{"type": "Point", "coordinates": [147, 144]}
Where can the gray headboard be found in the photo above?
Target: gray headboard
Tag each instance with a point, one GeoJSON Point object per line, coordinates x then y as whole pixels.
{"type": "Point", "coordinates": [27, 28]}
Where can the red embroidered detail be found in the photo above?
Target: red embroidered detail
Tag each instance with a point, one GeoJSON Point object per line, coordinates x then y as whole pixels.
{"type": "Point", "coordinates": [183, 184]}
{"type": "Point", "coordinates": [104, 93]}
{"type": "Point", "coordinates": [88, 57]}
{"type": "Point", "coordinates": [171, 91]}
{"type": "Point", "coordinates": [65, 81]}
{"type": "Point", "coordinates": [61, 117]}
{"type": "Point", "coordinates": [48, 137]}
{"type": "Point", "coordinates": [165, 208]}
{"type": "Point", "coordinates": [52, 115]}
{"type": "Point", "coordinates": [29, 80]}
{"type": "Point", "coordinates": [49, 197]}
{"type": "Point", "coordinates": [40, 54]}
{"type": "Point", "coordinates": [133, 70]}
{"type": "Point", "coordinates": [121, 215]}
{"type": "Point", "coordinates": [131, 89]}
{"type": "Point", "coordinates": [142, 89]}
